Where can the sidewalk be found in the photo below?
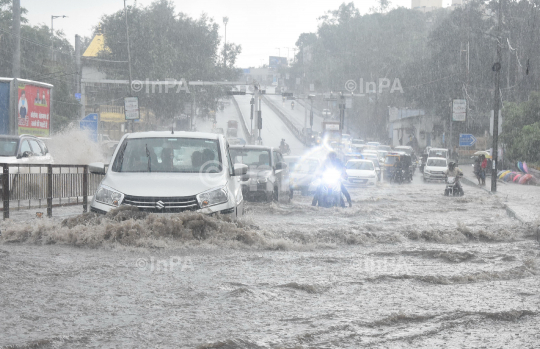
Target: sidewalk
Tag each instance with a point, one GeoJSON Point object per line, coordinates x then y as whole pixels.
{"type": "Point", "coordinates": [520, 201]}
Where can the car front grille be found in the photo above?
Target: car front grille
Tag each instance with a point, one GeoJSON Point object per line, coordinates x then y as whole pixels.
{"type": "Point", "coordinates": [162, 204]}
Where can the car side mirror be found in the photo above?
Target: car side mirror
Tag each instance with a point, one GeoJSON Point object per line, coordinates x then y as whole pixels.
{"type": "Point", "coordinates": [96, 168]}
{"type": "Point", "coordinates": [240, 169]}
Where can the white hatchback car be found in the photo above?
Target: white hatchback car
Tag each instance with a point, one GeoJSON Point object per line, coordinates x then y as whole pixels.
{"type": "Point", "coordinates": [361, 172]}
{"type": "Point", "coordinates": [435, 168]}
{"type": "Point", "coordinates": [166, 172]}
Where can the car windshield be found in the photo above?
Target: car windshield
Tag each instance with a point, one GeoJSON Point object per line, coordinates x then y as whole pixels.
{"type": "Point", "coordinates": [437, 153]}
{"type": "Point", "coordinates": [360, 165]}
{"type": "Point", "coordinates": [184, 155]}
{"type": "Point", "coordinates": [251, 157]}
{"type": "Point", "coordinates": [436, 162]}
{"type": "Point", "coordinates": [8, 147]}
{"type": "Point", "coordinates": [306, 166]}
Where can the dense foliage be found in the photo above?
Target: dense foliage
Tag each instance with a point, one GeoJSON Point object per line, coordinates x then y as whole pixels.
{"type": "Point", "coordinates": [437, 56]}
{"type": "Point", "coordinates": [36, 62]}
{"type": "Point", "coordinates": [168, 45]}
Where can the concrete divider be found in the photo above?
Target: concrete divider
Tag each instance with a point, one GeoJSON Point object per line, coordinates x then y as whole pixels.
{"type": "Point", "coordinates": [285, 120]}
{"type": "Point", "coordinates": [242, 121]}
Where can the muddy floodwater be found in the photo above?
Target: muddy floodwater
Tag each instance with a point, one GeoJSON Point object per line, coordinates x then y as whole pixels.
{"type": "Point", "coordinates": [405, 267]}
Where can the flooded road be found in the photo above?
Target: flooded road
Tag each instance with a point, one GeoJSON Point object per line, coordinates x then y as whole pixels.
{"type": "Point", "coordinates": [404, 267]}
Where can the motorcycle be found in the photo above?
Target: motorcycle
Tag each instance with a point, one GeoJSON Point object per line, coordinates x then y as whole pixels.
{"type": "Point", "coordinates": [329, 191]}
{"type": "Point", "coordinates": [284, 149]}
{"type": "Point", "coordinates": [397, 176]}
{"type": "Point", "coordinates": [452, 187]}
{"type": "Point", "coordinates": [292, 106]}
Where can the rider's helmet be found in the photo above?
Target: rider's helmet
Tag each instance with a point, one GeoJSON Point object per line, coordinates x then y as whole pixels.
{"type": "Point", "coordinates": [451, 165]}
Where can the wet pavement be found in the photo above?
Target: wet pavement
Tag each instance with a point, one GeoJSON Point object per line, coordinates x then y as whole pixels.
{"type": "Point", "coordinates": [404, 267]}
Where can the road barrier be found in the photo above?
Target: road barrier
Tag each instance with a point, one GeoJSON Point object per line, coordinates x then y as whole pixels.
{"type": "Point", "coordinates": [33, 184]}
{"type": "Point", "coordinates": [285, 120]}
{"type": "Point", "coordinates": [242, 121]}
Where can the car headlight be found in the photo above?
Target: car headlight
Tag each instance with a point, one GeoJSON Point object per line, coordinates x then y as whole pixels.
{"type": "Point", "coordinates": [109, 197]}
{"type": "Point", "coordinates": [213, 197]}
{"type": "Point", "coordinates": [426, 170]}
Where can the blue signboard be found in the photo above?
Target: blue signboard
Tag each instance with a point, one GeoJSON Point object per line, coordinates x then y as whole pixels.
{"type": "Point", "coordinates": [246, 71]}
{"type": "Point", "coordinates": [78, 96]}
{"type": "Point", "coordinates": [90, 125]}
{"type": "Point", "coordinates": [466, 140]}
{"type": "Point", "coordinates": [4, 108]}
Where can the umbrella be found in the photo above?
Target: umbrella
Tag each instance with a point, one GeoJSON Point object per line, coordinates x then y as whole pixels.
{"type": "Point", "coordinates": [483, 152]}
{"type": "Point", "coordinates": [520, 166]}
{"type": "Point", "coordinates": [525, 167]}
{"type": "Point", "coordinates": [517, 177]}
{"type": "Point", "coordinates": [525, 179]}
{"type": "Point", "coordinates": [504, 174]}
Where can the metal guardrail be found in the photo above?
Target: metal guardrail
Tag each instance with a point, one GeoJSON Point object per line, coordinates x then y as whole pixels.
{"type": "Point", "coordinates": [34, 184]}
{"type": "Point", "coordinates": [242, 121]}
{"type": "Point", "coordinates": [285, 120]}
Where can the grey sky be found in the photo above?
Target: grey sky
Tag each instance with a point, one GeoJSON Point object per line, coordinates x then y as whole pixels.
{"type": "Point", "coordinates": [259, 26]}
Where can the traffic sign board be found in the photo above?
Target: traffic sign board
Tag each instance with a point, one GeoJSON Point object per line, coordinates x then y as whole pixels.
{"type": "Point", "coordinates": [466, 140]}
{"type": "Point", "coordinates": [90, 124]}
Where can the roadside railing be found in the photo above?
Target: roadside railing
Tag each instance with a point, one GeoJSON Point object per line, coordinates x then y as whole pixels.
{"type": "Point", "coordinates": [45, 185]}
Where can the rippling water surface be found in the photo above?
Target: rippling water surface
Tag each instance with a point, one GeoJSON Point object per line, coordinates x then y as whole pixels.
{"type": "Point", "coordinates": [404, 267]}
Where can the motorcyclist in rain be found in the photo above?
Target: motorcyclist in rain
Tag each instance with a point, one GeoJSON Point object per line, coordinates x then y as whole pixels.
{"type": "Point", "coordinates": [332, 161]}
{"type": "Point", "coordinates": [284, 147]}
{"type": "Point", "coordinates": [454, 171]}
{"type": "Point", "coordinates": [398, 169]}
{"type": "Point", "coordinates": [292, 105]}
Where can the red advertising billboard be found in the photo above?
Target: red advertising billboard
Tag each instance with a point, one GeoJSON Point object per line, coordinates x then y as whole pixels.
{"type": "Point", "coordinates": [33, 110]}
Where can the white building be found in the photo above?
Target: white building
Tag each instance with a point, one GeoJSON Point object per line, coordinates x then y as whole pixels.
{"type": "Point", "coordinates": [426, 5]}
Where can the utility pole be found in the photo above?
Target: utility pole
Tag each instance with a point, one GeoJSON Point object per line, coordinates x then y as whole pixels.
{"type": "Point", "coordinates": [52, 34]}
{"type": "Point", "coordinates": [129, 60]}
{"type": "Point", "coordinates": [16, 30]}
{"type": "Point", "coordinates": [251, 102]}
{"type": "Point", "coordinates": [497, 69]}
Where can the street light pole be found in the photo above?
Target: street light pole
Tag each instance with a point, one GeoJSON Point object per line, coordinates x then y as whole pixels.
{"type": "Point", "coordinates": [52, 35]}
{"type": "Point", "coordinates": [225, 21]}
{"type": "Point", "coordinates": [497, 69]}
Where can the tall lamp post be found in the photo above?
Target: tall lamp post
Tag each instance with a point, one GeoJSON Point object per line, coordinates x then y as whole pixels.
{"type": "Point", "coordinates": [225, 21]}
{"type": "Point", "coordinates": [52, 35]}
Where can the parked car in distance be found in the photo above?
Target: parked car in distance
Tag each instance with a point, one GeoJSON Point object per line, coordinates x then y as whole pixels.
{"type": "Point", "coordinates": [24, 149]}
{"type": "Point", "coordinates": [361, 172]}
{"type": "Point", "coordinates": [163, 172]}
{"type": "Point", "coordinates": [267, 177]}
{"type": "Point", "coordinates": [434, 169]}
{"type": "Point", "coordinates": [356, 141]}
{"type": "Point", "coordinates": [303, 174]}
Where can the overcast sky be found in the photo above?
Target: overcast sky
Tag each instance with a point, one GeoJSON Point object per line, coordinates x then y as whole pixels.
{"type": "Point", "coordinates": [261, 27]}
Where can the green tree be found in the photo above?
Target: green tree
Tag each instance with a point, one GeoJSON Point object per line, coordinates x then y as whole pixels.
{"type": "Point", "coordinates": [168, 45]}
